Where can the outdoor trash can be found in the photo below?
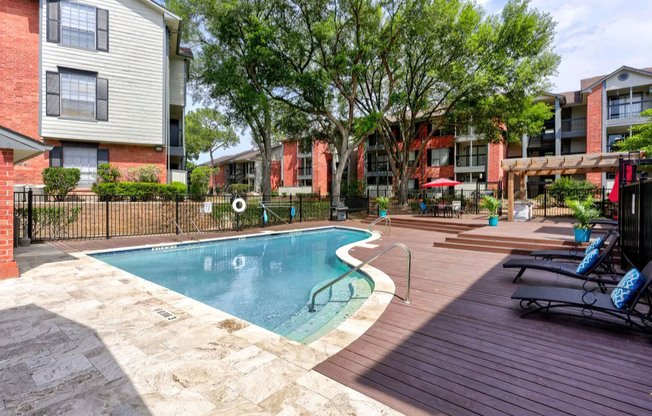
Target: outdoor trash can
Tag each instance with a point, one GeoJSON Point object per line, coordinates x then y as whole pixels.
{"type": "Point", "coordinates": [522, 211]}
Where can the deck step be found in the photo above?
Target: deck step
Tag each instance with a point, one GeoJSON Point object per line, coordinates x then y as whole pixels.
{"type": "Point", "coordinates": [486, 249]}
{"type": "Point", "coordinates": [436, 226]}
{"type": "Point", "coordinates": [528, 240]}
{"type": "Point", "coordinates": [528, 246]}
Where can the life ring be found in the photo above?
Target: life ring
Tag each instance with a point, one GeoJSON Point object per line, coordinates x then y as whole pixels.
{"type": "Point", "coordinates": [239, 262]}
{"type": "Point", "coordinates": [239, 205]}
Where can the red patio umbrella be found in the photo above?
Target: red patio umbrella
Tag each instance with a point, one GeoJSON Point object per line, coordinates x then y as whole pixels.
{"type": "Point", "coordinates": [440, 182]}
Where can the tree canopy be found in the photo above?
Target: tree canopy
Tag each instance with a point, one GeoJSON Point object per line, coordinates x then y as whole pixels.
{"type": "Point", "coordinates": [641, 139]}
{"type": "Point", "coordinates": [207, 131]}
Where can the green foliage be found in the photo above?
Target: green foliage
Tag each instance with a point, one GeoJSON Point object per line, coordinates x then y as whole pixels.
{"type": "Point", "coordinates": [207, 131]}
{"type": "Point", "coordinates": [641, 139]}
{"type": "Point", "coordinates": [199, 180]}
{"type": "Point", "coordinates": [50, 218]}
{"type": "Point", "coordinates": [383, 203]}
{"type": "Point", "coordinates": [584, 211]}
{"type": "Point", "coordinates": [60, 181]}
{"type": "Point", "coordinates": [145, 173]}
{"type": "Point", "coordinates": [354, 187]}
{"type": "Point", "coordinates": [138, 191]}
{"type": "Point", "coordinates": [108, 173]}
{"type": "Point", "coordinates": [566, 187]}
{"type": "Point", "coordinates": [492, 205]}
{"type": "Point", "coordinates": [240, 188]}
{"type": "Point", "coordinates": [180, 187]}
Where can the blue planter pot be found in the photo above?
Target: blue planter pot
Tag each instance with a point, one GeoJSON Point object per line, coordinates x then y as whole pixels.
{"type": "Point", "coordinates": [383, 213]}
{"type": "Point", "coordinates": [582, 236]}
{"type": "Point", "coordinates": [493, 221]}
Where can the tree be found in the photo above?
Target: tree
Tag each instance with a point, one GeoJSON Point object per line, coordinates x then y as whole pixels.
{"type": "Point", "coordinates": [446, 62]}
{"type": "Point", "coordinates": [641, 139]}
{"type": "Point", "coordinates": [208, 130]}
{"type": "Point", "coordinates": [227, 36]}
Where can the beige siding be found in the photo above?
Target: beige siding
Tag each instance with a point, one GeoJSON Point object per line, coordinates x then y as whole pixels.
{"type": "Point", "coordinates": [635, 79]}
{"type": "Point", "coordinates": [134, 68]}
{"type": "Point", "coordinates": [177, 81]}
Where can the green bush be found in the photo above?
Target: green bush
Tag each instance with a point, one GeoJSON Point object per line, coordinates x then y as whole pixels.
{"type": "Point", "coordinates": [137, 191]}
{"type": "Point", "coordinates": [60, 181]}
{"type": "Point", "coordinates": [353, 188]}
{"type": "Point", "coordinates": [199, 180]}
{"type": "Point", "coordinates": [492, 205]}
{"type": "Point", "coordinates": [51, 218]}
{"type": "Point", "coordinates": [180, 187]}
{"type": "Point", "coordinates": [584, 211]}
{"type": "Point", "coordinates": [240, 188]}
{"type": "Point", "coordinates": [108, 173]}
{"type": "Point", "coordinates": [145, 173]}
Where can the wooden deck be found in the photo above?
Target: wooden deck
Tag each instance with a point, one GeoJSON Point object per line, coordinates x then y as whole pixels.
{"type": "Point", "coordinates": [461, 347]}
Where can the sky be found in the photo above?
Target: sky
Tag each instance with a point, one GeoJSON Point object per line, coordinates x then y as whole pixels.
{"type": "Point", "coordinates": [593, 37]}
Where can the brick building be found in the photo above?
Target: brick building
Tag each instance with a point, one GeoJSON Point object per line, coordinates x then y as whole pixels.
{"type": "Point", "coordinates": [103, 81]}
{"type": "Point", "coordinates": [246, 168]}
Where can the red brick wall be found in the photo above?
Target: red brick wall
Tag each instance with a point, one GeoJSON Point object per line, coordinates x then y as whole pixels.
{"type": "Point", "coordinates": [594, 129]}
{"type": "Point", "coordinates": [495, 155]}
{"type": "Point", "coordinates": [8, 266]}
{"type": "Point", "coordinates": [320, 161]}
{"type": "Point", "coordinates": [131, 156]}
{"type": "Point", "coordinates": [220, 177]}
{"type": "Point", "coordinates": [276, 174]}
{"type": "Point", "coordinates": [360, 162]}
{"type": "Point", "coordinates": [290, 163]}
{"type": "Point", "coordinates": [425, 172]}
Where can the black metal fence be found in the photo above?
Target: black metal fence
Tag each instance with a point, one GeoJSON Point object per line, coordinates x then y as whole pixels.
{"type": "Point", "coordinates": [553, 203]}
{"type": "Point", "coordinates": [636, 222]}
{"type": "Point", "coordinates": [470, 199]}
{"type": "Point", "coordinates": [77, 216]}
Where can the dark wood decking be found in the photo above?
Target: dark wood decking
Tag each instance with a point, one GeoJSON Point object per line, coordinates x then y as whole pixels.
{"type": "Point", "coordinates": [461, 347]}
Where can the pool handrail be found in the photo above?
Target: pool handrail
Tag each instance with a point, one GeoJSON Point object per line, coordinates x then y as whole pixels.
{"type": "Point", "coordinates": [311, 308]}
{"type": "Point", "coordinates": [388, 224]}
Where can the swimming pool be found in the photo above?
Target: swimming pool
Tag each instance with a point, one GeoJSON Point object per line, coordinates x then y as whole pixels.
{"type": "Point", "coordinates": [265, 279]}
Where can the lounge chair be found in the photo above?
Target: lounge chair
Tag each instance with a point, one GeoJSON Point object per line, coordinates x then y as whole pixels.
{"type": "Point", "coordinates": [566, 269]}
{"type": "Point", "coordinates": [572, 254]}
{"type": "Point", "coordinates": [456, 209]}
{"type": "Point", "coordinates": [637, 312]}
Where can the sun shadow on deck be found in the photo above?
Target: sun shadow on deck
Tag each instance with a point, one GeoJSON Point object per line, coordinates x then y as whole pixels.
{"type": "Point", "coordinates": [461, 348]}
{"type": "Point", "coordinates": [51, 365]}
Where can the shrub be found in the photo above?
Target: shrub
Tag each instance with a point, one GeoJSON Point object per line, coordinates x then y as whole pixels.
{"type": "Point", "coordinates": [491, 204]}
{"type": "Point", "coordinates": [565, 186]}
{"type": "Point", "coordinates": [60, 181]}
{"type": "Point", "coordinates": [108, 173]}
{"type": "Point", "coordinates": [145, 173]}
{"type": "Point", "coordinates": [353, 188]}
{"type": "Point", "coordinates": [240, 188]}
{"type": "Point", "coordinates": [383, 203]}
{"type": "Point", "coordinates": [51, 218]}
{"type": "Point", "coordinates": [584, 212]}
{"type": "Point", "coordinates": [180, 187]}
{"type": "Point", "coordinates": [137, 191]}
{"type": "Point", "coordinates": [199, 180]}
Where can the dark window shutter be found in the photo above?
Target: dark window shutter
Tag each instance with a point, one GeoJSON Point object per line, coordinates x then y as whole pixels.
{"type": "Point", "coordinates": [102, 156]}
{"type": "Point", "coordinates": [429, 158]}
{"type": "Point", "coordinates": [56, 157]}
{"type": "Point", "coordinates": [102, 99]}
{"type": "Point", "coordinates": [52, 92]}
{"type": "Point", "coordinates": [451, 155]}
{"type": "Point", "coordinates": [102, 30]}
{"type": "Point", "coordinates": [53, 21]}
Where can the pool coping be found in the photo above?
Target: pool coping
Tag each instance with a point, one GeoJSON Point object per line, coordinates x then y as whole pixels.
{"type": "Point", "coordinates": [329, 344]}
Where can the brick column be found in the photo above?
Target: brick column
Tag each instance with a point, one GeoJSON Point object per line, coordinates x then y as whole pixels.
{"type": "Point", "coordinates": [290, 163]}
{"type": "Point", "coordinates": [8, 267]}
{"type": "Point", "coordinates": [594, 129]}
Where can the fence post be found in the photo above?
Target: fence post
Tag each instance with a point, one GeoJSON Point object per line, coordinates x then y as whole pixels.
{"type": "Point", "coordinates": [477, 193]}
{"type": "Point", "coordinates": [176, 212]}
{"type": "Point", "coordinates": [300, 208]}
{"type": "Point", "coordinates": [604, 205]}
{"type": "Point", "coordinates": [545, 202]}
{"type": "Point", "coordinates": [106, 206]}
{"type": "Point", "coordinates": [290, 213]}
{"type": "Point", "coordinates": [30, 214]}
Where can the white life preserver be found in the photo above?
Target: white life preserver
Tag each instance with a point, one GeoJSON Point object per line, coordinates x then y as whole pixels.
{"type": "Point", "coordinates": [238, 262]}
{"type": "Point", "coordinates": [239, 205]}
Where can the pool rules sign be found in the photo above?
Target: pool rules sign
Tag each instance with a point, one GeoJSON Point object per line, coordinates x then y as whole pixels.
{"type": "Point", "coordinates": [208, 207]}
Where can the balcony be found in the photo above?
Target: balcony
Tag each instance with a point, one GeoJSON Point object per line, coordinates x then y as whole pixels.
{"type": "Point", "coordinates": [573, 127]}
{"type": "Point", "coordinates": [464, 161]}
{"type": "Point", "coordinates": [304, 172]}
{"type": "Point", "coordinates": [627, 113]}
{"type": "Point", "coordinates": [378, 169]}
{"type": "Point", "coordinates": [304, 154]}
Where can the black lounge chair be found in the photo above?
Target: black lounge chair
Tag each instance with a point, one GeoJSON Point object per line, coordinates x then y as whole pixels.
{"type": "Point", "coordinates": [571, 255]}
{"type": "Point", "coordinates": [637, 313]}
{"type": "Point", "coordinates": [566, 269]}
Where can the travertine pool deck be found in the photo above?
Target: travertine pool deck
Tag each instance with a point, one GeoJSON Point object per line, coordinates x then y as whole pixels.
{"type": "Point", "coordinates": [81, 337]}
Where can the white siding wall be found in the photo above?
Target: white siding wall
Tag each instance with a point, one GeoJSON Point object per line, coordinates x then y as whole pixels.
{"type": "Point", "coordinates": [634, 80]}
{"type": "Point", "coordinates": [177, 81]}
{"type": "Point", "coordinates": [133, 66]}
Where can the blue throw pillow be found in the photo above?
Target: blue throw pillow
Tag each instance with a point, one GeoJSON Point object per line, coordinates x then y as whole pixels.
{"type": "Point", "coordinates": [594, 244]}
{"type": "Point", "coordinates": [588, 261]}
{"type": "Point", "coordinates": [628, 285]}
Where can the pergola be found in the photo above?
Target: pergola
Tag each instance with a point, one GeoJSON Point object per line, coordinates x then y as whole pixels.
{"type": "Point", "coordinates": [556, 165]}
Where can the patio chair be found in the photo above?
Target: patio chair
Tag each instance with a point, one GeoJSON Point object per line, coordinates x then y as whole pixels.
{"type": "Point", "coordinates": [566, 269]}
{"type": "Point", "coordinates": [636, 312]}
{"type": "Point", "coordinates": [441, 207]}
{"type": "Point", "coordinates": [456, 209]}
{"type": "Point", "coordinates": [572, 254]}
{"type": "Point", "coordinates": [424, 209]}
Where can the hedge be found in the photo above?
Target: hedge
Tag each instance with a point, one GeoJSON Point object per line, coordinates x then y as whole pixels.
{"type": "Point", "coordinates": [139, 191]}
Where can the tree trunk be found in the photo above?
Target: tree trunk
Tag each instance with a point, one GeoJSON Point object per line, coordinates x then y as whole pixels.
{"type": "Point", "coordinates": [402, 185]}
{"type": "Point", "coordinates": [266, 174]}
{"type": "Point", "coordinates": [213, 187]}
{"type": "Point", "coordinates": [336, 184]}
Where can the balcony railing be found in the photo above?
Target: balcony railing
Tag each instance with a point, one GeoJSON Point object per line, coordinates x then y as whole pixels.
{"type": "Point", "coordinates": [464, 161]}
{"type": "Point", "coordinates": [573, 124]}
{"type": "Point", "coordinates": [378, 167]}
{"type": "Point", "coordinates": [627, 110]}
{"type": "Point", "coordinates": [304, 171]}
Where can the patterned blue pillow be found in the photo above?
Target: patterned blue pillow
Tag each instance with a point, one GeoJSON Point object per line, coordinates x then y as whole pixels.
{"type": "Point", "coordinates": [628, 285]}
{"type": "Point", "coordinates": [594, 244]}
{"type": "Point", "coordinates": [588, 261]}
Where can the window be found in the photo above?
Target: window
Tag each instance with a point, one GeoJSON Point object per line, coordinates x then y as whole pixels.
{"type": "Point", "coordinates": [413, 184]}
{"type": "Point", "coordinates": [412, 157]}
{"type": "Point", "coordinates": [78, 95]}
{"type": "Point", "coordinates": [84, 159]}
{"type": "Point", "coordinates": [439, 157]}
{"type": "Point", "coordinates": [78, 25]}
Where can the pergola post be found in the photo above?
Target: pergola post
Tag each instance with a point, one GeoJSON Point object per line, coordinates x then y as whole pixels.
{"type": "Point", "coordinates": [510, 196]}
{"type": "Point", "coordinates": [523, 194]}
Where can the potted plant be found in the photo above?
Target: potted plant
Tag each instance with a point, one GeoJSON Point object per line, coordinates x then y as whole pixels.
{"type": "Point", "coordinates": [491, 204]}
{"type": "Point", "coordinates": [383, 204]}
{"type": "Point", "coordinates": [584, 212]}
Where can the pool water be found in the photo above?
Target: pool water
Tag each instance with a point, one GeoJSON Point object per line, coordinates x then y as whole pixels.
{"type": "Point", "coordinates": [266, 280]}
